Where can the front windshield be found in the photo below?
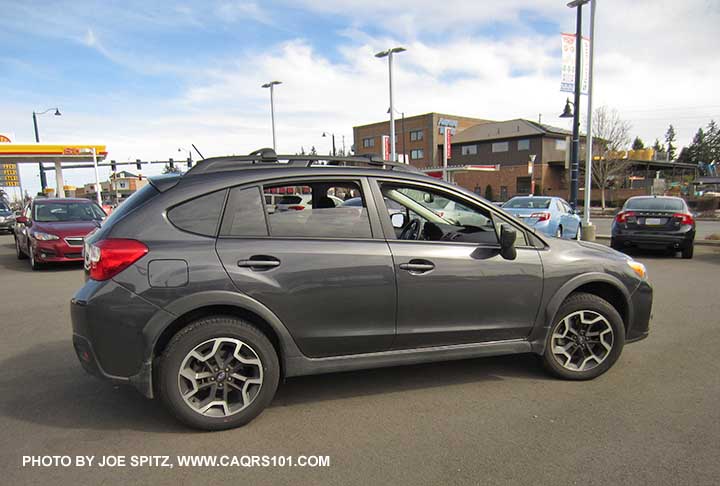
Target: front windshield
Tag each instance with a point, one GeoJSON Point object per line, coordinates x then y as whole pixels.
{"type": "Point", "coordinates": [528, 203]}
{"type": "Point", "coordinates": [49, 212]}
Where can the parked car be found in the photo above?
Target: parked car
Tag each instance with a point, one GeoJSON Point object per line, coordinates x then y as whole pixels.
{"type": "Point", "coordinates": [53, 230]}
{"type": "Point", "coordinates": [654, 222]}
{"type": "Point", "coordinates": [199, 296]}
{"type": "Point", "coordinates": [357, 202]}
{"type": "Point", "coordinates": [7, 218]}
{"type": "Point", "coordinates": [551, 215]}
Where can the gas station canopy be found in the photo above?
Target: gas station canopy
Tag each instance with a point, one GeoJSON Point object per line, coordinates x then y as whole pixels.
{"type": "Point", "coordinates": [15, 153]}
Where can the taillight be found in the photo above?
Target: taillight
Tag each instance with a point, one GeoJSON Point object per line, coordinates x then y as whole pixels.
{"type": "Point", "coordinates": [622, 217]}
{"type": "Point", "coordinates": [296, 208]}
{"type": "Point", "coordinates": [540, 216]}
{"type": "Point", "coordinates": [684, 218]}
{"type": "Point", "coordinates": [107, 258]}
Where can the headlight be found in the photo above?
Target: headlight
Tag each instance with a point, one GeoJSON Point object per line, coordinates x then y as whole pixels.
{"type": "Point", "coordinates": [638, 268]}
{"type": "Point", "coordinates": [39, 235]}
{"type": "Point", "coordinates": [2, 219]}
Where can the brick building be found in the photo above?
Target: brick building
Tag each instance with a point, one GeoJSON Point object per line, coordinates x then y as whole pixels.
{"type": "Point", "coordinates": [419, 138]}
{"type": "Point", "coordinates": [119, 187]}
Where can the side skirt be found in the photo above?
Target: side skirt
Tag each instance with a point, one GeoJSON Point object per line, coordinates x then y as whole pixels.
{"type": "Point", "coordinates": [301, 365]}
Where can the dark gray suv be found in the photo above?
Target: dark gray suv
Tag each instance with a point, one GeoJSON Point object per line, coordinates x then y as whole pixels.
{"type": "Point", "coordinates": [199, 293]}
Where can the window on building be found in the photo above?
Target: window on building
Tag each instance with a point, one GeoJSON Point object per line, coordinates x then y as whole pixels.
{"type": "Point", "coordinates": [469, 150]}
{"type": "Point", "coordinates": [523, 185]}
{"type": "Point", "coordinates": [321, 212]}
{"type": "Point", "coordinates": [416, 135]}
{"type": "Point", "coordinates": [500, 147]}
{"type": "Point", "coordinates": [200, 215]}
{"type": "Point", "coordinates": [560, 144]}
{"type": "Point", "coordinates": [416, 154]}
{"type": "Point", "coordinates": [244, 214]}
{"type": "Point", "coordinates": [368, 142]}
{"type": "Point", "coordinates": [524, 144]}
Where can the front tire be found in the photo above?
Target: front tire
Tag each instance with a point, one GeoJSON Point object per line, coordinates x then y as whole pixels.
{"type": "Point", "coordinates": [218, 373]}
{"type": "Point", "coordinates": [585, 340]}
{"type": "Point", "coordinates": [34, 264]}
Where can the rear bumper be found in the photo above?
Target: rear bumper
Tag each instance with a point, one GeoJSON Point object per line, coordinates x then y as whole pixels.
{"type": "Point", "coordinates": [654, 239]}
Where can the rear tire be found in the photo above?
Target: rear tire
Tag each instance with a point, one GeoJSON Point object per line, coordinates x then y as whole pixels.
{"type": "Point", "coordinates": [559, 232]}
{"type": "Point", "coordinates": [222, 339]}
{"type": "Point", "coordinates": [615, 245]}
{"type": "Point", "coordinates": [586, 338]}
{"type": "Point", "coordinates": [687, 252]}
{"type": "Point", "coordinates": [578, 235]}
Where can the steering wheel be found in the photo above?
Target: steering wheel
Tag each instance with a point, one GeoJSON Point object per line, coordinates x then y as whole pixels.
{"type": "Point", "coordinates": [413, 230]}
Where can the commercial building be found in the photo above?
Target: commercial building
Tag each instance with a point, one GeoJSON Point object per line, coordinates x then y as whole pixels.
{"type": "Point", "coordinates": [419, 138]}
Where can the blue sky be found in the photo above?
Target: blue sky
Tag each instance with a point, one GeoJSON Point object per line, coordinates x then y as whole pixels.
{"type": "Point", "coordinates": [147, 78]}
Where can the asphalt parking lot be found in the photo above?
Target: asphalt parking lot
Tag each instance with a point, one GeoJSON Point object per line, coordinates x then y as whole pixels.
{"type": "Point", "coordinates": [653, 419]}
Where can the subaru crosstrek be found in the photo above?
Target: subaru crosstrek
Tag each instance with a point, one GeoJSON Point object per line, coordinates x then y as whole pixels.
{"type": "Point", "coordinates": [198, 294]}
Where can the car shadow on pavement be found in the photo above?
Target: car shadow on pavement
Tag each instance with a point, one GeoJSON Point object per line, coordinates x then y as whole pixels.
{"type": "Point", "coordinates": [47, 386]}
{"type": "Point", "coordinates": [10, 262]}
{"type": "Point", "coordinates": [308, 389]}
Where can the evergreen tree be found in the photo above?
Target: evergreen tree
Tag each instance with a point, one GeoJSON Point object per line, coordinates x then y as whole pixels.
{"type": "Point", "coordinates": [670, 142]}
{"type": "Point", "coordinates": [657, 147]}
{"type": "Point", "coordinates": [638, 144]}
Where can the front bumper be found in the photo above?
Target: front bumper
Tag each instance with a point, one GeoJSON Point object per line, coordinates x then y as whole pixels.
{"type": "Point", "coordinates": [7, 226]}
{"type": "Point", "coordinates": [56, 251]}
{"type": "Point", "coordinates": [641, 302]}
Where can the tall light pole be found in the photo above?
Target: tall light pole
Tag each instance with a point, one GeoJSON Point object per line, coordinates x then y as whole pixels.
{"type": "Point", "coordinates": [588, 228]}
{"type": "Point", "coordinates": [271, 85]}
{"type": "Point", "coordinates": [389, 54]}
{"type": "Point", "coordinates": [402, 134]}
{"type": "Point", "coordinates": [575, 150]}
{"type": "Point", "coordinates": [43, 179]}
{"type": "Point", "coordinates": [325, 134]}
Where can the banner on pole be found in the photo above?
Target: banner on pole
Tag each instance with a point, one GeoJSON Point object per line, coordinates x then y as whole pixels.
{"type": "Point", "coordinates": [386, 147]}
{"type": "Point", "coordinates": [567, 78]}
{"type": "Point", "coordinates": [448, 145]}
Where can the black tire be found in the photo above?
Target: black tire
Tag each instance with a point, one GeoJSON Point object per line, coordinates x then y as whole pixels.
{"type": "Point", "coordinates": [589, 302]}
{"type": "Point", "coordinates": [559, 232]}
{"type": "Point", "coordinates": [615, 245]}
{"type": "Point", "coordinates": [687, 252]}
{"type": "Point", "coordinates": [34, 264]}
{"type": "Point", "coordinates": [193, 335]}
{"type": "Point", "coordinates": [18, 251]}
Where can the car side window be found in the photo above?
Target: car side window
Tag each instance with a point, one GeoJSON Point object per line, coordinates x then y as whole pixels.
{"type": "Point", "coordinates": [317, 209]}
{"type": "Point", "coordinates": [441, 216]}
{"type": "Point", "coordinates": [200, 215]}
{"type": "Point", "coordinates": [244, 213]}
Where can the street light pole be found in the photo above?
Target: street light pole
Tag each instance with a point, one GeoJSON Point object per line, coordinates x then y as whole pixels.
{"type": "Point", "coordinates": [271, 85]}
{"type": "Point", "coordinates": [588, 229]}
{"type": "Point", "coordinates": [325, 134]}
{"type": "Point", "coordinates": [43, 178]}
{"type": "Point", "coordinates": [575, 150]}
{"type": "Point", "coordinates": [389, 54]}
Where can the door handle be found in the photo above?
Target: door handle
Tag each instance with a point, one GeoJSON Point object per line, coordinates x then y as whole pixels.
{"type": "Point", "coordinates": [417, 266]}
{"type": "Point", "coordinates": [259, 262]}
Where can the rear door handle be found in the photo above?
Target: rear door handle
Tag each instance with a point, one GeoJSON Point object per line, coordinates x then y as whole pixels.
{"type": "Point", "coordinates": [417, 266]}
{"type": "Point", "coordinates": [259, 262]}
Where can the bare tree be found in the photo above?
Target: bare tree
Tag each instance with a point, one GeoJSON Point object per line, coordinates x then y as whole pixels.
{"type": "Point", "coordinates": [611, 138]}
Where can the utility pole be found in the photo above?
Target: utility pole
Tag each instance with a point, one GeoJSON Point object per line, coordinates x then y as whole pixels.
{"type": "Point", "coordinates": [389, 54]}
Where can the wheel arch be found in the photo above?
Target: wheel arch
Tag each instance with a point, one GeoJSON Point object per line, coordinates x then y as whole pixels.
{"type": "Point", "coordinates": [180, 313]}
{"type": "Point", "coordinates": [603, 285]}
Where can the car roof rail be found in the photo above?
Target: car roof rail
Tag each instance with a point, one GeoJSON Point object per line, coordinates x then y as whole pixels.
{"type": "Point", "coordinates": [267, 158]}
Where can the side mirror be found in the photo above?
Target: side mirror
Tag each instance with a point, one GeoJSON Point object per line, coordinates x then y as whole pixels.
{"type": "Point", "coordinates": [428, 198]}
{"type": "Point", "coordinates": [22, 220]}
{"type": "Point", "coordinates": [398, 220]}
{"type": "Point", "coordinates": [507, 242]}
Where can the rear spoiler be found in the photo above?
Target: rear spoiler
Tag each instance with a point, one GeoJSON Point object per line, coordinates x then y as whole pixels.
{"type": "Point", "coordinates": [164, 182]}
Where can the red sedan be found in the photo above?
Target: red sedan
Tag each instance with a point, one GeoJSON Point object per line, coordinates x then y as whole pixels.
{"type": "Point", "coordinates": [53, 230]}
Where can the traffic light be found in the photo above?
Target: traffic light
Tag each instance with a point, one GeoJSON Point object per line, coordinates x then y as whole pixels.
{"type": "Point", "coordinates": [113, 166]}
{"type": "Point", "coordinates": [189, 162]}
{"type": "Point", "coordinates": [171, 164]}
{"type": "Point", "coordinates": [138, 164]}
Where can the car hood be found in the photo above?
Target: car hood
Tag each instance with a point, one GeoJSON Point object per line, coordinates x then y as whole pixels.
{"type": "Point", "coordinates": [67, 228]}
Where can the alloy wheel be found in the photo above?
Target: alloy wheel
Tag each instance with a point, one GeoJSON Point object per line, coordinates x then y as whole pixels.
{"type": "Point", "coordinates": [220, 377]}
{"type": "Point", "coordinates": [582, 340]}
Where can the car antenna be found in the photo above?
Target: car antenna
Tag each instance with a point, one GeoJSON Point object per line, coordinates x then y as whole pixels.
{"type": "Point", "coordinates": [196, 150]}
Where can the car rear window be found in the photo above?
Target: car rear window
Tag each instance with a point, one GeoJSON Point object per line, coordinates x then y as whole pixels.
{"type": "Point", "coordinates": [528, 203]}
{"type": "Point", "coordinates": [136, 200]}
{"type": "Point", "coordinates": [244, 213]}
{"type": "Point", "coordinates": [290, 200]}
{"type": "Point", "coordinates": [655, 204]}
{"type": "Point", "coordinates": [200, 215]}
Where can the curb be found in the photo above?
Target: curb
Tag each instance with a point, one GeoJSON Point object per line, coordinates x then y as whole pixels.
{"type": "Point", "coordinates": [697, 242]}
